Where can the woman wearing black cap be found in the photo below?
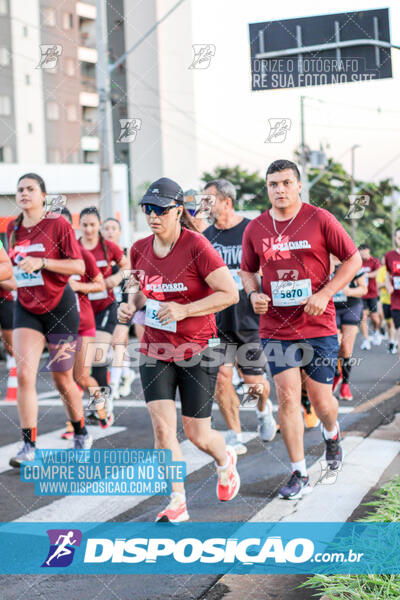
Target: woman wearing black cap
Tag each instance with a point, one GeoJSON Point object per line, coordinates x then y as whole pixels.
{"type": "Point", "coordinates": [183, 281]}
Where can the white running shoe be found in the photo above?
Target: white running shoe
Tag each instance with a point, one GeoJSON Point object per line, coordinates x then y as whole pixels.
{"type": "Point", "coordinates": [377, 338]}
{"type": "Point", "coordinates": [266, 423]}
{"type": "Point", "coordinates": [232, 439]}
{"type": "Point", "coordinates": [126, 383]}
{"type": "Point", "coordinates": [25, 453]}
{"type": "Point", "coordinates": [366, 344]}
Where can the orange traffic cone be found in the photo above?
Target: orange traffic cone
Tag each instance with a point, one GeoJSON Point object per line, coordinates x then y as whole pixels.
{"type": "Point", "coordinates": [11, 395]}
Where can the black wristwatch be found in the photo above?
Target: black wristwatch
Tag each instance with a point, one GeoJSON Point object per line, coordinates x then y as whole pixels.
{"type": "Point", "coordinates": [250, 293]}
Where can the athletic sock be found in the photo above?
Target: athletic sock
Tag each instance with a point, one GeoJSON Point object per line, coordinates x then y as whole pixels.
{"type": "Point", "coordinates": [223, 467]}
{"type": "Point", "coordinates": [79, 427]}
{"type": "Point", "coordinates": [330, 435]}
{"type": "Point", "coordinates": [346, 369]}
{"type": "Point", "coordinates": [299, 466]}
{"type": "Point", "coordinates": [100, 375]}
{"type": "Point", "coordinates": [115, 378]}
{"type": "Point", "coordinates": [181, 494]}
{"type": "Point", "coordinates": [125, 370]}
{"type": "Point", "coordinates": [29, 435]}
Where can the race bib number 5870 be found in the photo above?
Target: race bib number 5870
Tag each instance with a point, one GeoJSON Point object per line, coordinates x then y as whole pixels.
{"type": "Point", "coordinates": [290, 293]}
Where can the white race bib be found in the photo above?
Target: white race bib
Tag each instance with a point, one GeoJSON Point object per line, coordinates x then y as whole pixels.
{"type": "Point", "coordinates": [237, 278]}
{"type": "Point", "coordinates": [27, 279]}
{"type": "Point", "coordinates": [151, 320]}
{"type": "Point", "coordinates": [396, 282]}
{"type": "Point", "coordinates": [339, 297]}
{"type": "Point", "coordinates": [290, 293]}
{"type": "Point", "coordinates": [118, 293]}
{"type": "Point", "coordinates": [98, 295]}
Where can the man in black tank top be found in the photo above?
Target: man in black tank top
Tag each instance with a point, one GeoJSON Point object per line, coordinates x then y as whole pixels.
{"type": "Point", "coordinates": [238, 325]}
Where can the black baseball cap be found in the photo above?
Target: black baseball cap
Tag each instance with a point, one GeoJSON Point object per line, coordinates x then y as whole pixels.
{"type": "Point", "coordinates": [162, 192]}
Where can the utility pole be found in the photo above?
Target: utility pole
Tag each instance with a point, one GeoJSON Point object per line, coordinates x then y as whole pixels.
{"type": "Point", "coordinates": [103, 72]}
{"type": "Point", "coordinates": [353, 221]}
{"type": "Point", "coordinates": [303, 158]}
{"type": "Point", "coordinates": [106, 204]}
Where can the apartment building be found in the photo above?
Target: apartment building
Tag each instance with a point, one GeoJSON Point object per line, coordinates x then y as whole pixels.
{"type": "Point", "coordinates": [48, 95]}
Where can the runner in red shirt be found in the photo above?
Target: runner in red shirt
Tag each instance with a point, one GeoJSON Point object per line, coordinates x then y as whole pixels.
{"type": "Point", "coordinates": [103, 303]}
{"type": "Point", "coordinates": [45, 253]}
{"type": "Point", "coordinates": [291, 243]}
{"type": "Point", "coordinates": [90, 282]}
{"type": "Point", "coordinates": [371, 267]}
{"type": "Point", "coordinates": [392, 261]}
{"type": "Point", "coordinates": [122, 376]}
{"type": "Point", "coordinates": [184, 281]}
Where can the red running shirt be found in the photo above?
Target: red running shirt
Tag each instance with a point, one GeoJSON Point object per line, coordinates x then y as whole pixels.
{"type": "Point", "coordinates": [371, 264]}
{"type": "Point", "coordinates": [87, 320]}
{"type": "Point", "coordinates": [303, 253]}
{"type": "Point", "coordinates": [178, 277]}
{"type": "Point", "coordinates": [114, 253]}
{"type": "Point", "coordinates": [50, 238]}
{"type": "Point", "coordinates": [392, 261]}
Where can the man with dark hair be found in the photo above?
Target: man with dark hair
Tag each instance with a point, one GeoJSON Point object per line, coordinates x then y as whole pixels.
{"type": "Point", "coordinates": [281, 165]}
{"type": "Point", "coordinates": [370, 300]}
{"type": "Point", "coordinates": [237, 325]}
{"type": "Point", "coordinates": [297, 315]}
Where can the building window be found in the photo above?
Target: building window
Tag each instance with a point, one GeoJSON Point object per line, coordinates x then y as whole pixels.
{"type": "Point", "coordinates": [53, 111]}
{"type": "Point", "coordinates": [4, 57]}
{"type": "Point", "coordinates": [54, 155]}
{"type": "Point", "coordinates": [5, 106]}
{"type": "Point", "coordinates": [30, 128]}
{"type": "Point", "coordinates": [72, 112]}
{"type": "Point", "coordinates": [49, 17]}
{"type": "Point", "coordinates": [25, 31]}
{"type": "Point", "coordinates": [68, 21]}
{"type": "Point", "coordinates": [6, 154]}
{"type": "Point", "coordinates": [70, 66]}
{"type": "Point", "coordinates": [28, 79]}
{"type": "Point", "coordinates": [3, 7]}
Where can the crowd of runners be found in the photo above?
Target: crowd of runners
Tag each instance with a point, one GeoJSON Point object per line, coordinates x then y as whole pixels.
{"type": "Point", "coordinates": [223, 307]}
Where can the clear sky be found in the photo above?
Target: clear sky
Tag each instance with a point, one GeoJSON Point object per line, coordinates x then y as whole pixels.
{"type": "Point", "coordinates": [233, 121]}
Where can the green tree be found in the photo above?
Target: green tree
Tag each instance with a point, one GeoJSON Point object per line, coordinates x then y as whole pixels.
{"type": "Point", "coordinates": [332, 192]}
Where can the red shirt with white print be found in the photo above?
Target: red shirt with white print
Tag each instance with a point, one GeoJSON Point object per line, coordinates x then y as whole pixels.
{"type": "Point", "coordinates": [371, 264]}
{"type": "Point", "coordinates": [50, 238]}
{"type": "Point", "coordinates": [6, 295]}
{"type": "Point", "coordinates": [87, 320]}
{"type": "Point", "coordinates": [178, 277]}
{"type": "Point", "coordinates": [101, 300]}
{"type": "Point", "coordinates": [392, 261]}
{"type": "Point", "coordinates": [302, 258]}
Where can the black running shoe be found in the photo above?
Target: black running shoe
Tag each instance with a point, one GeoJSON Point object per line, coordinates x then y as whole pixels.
{"type": "Point", "coordinates": [295, 487]}
{"type": "Point", "coordinates": [334, 450]}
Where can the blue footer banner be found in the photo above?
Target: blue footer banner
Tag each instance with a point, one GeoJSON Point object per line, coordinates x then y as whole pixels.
{"type": "Point", "coordinates": [257, 548]}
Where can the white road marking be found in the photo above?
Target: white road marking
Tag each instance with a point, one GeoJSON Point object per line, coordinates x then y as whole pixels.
{"type": "Point", "coordinates": [53, 440]}
{"type": "Point", "coordinates": [365, 459]}
{"type": "Point", "coordinates": [105, 508]}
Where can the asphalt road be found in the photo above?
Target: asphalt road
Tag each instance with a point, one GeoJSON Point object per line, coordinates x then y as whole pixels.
{"type": "Point", "coordinates": [263, 470]}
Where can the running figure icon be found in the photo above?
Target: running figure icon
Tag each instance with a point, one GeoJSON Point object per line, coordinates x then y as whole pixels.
{"type": "Point", "coordinates": [62, 549]}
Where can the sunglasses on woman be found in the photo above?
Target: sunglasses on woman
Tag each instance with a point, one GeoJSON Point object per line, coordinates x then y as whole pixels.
{"type": "Point", "coordinates": [158, 210]}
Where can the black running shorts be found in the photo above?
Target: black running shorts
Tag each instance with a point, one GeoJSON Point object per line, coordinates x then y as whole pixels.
{"type": "Point", "coordinates": [196, 383]}
{"type": "Point", "coordinates": [63, 319]}
{"type": "Point", "coordinates": [6, 313]}
{"type": "Point", "coordinates": [244, 347]}
{"type": "Point", "coordinates": [106, 320]}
